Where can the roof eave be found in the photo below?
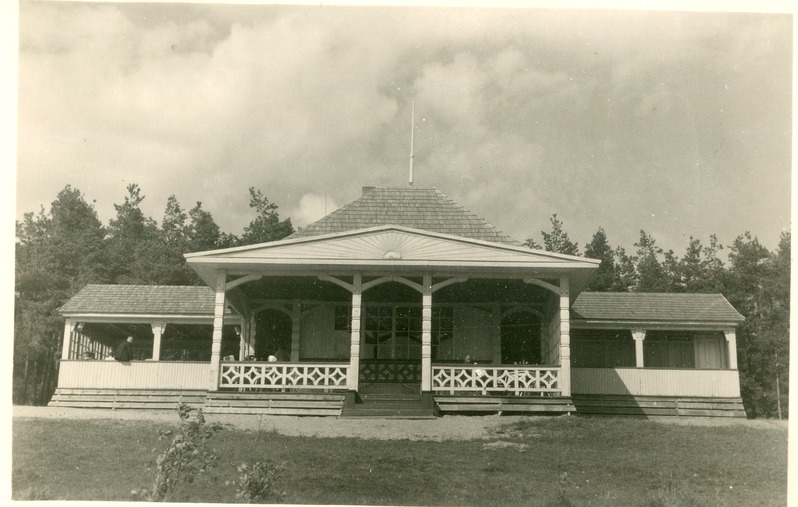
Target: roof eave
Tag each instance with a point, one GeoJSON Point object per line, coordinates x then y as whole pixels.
{"type": "Point", "coordinates": [715, 325]}
{"type": "Point", "coordinates": [199, 256]}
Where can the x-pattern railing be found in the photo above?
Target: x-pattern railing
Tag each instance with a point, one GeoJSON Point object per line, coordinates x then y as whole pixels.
{"type": "Point", "coordinates": [278, 375]}
{"type": "Point", "coordinates": [515, 379]}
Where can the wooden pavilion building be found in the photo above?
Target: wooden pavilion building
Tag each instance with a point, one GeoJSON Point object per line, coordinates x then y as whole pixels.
{"type": "Point", "coordinates": [404, 304]}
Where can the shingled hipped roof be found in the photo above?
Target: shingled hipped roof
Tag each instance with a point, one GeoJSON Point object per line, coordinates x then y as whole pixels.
{"type": "Point", "coordinates": [418, 208]}
{"type": "Point", "coordinates": [653, 307]}
{"type": "Point", "coordinates": [141, 300]}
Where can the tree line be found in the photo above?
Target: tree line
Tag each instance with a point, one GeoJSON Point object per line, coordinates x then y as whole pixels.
{"type": "Point", "coordinates": [61, 250]}
{"type": "Point", "coordinates": [754, 280]}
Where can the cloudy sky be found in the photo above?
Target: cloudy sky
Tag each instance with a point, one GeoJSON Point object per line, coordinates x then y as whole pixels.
{"type": "Point", "coordinates": [675, 123]}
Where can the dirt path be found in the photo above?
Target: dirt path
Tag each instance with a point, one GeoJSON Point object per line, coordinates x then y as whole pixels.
{"type": "Point", "coordinates": [442, 428]}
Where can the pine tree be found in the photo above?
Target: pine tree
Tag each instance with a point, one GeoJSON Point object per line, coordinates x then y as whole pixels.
{"type": "Point", "coordinates": [607, 276]}
{"type": "Point", "coordinates": [557, 240]}
{"type": "Point", "coordinates": [266, 226]}
{"type": "Point", "coordinates": [56, 254]}
{"type": "Point", "coordinates": [651, 276]}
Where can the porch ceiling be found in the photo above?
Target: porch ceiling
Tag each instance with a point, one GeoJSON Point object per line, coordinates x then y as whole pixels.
{"type": "Point", "coordinates": [474, 290]}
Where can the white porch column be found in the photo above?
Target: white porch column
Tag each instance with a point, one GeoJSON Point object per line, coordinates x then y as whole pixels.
{"type": "Point", "coordinates": [731, 341]}
{"type": "Point", "coordinates": [639, 335]}
{"type": "Point", "coordinates": [68, 328]}
{"type": "Point", "coordinates": [354, 341]}
{"type": "Point", "coordinates": [426, 335]}
{"type": "Point", "coordinates": [296, 330]}
{"type": "Point", "coordinates": [158, 329]}
{"type": "Point", "coordinates": [218, 323]}
{"type": "Point", "coordinates": [565, 337]}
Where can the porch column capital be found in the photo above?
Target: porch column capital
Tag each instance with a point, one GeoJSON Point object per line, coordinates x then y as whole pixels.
{"type": "Point", "coordinates": [159, 327]}
{"type": "Point", "coordinates": [731, 342]}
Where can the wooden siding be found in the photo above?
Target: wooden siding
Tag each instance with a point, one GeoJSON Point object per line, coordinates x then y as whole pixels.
{"type": "Point", "coordinates": [656, 382]}
{"type": "Point", "coordinates": [133, 375]}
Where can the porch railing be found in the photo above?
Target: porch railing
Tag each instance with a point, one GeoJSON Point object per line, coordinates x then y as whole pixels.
{"type": "Point", "coordinates": [249, 374]}
{"type": "Point", "coordinates": [513, 379]}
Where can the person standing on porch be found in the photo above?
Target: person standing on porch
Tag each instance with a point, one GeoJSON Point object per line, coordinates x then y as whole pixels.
{"type": "Point", "coordinates": [124, 351]}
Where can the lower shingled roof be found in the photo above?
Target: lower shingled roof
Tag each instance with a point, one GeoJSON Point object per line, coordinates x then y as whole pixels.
{"type": "Point", "coordinates": [141, 300]}
{"type": "Point", "coordinates": [654, 307]}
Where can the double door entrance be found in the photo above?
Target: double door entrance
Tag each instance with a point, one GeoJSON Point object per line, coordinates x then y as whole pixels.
{"type": "Point", "coordinates": [390, 346]}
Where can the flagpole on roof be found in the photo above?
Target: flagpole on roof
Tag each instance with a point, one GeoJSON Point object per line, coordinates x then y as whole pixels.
{"type": "Point", "coordinates": [412, 133]}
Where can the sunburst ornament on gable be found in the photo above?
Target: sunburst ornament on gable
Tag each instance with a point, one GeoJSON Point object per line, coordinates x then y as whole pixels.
{"type": "Point", "coordinates": [392, 255]}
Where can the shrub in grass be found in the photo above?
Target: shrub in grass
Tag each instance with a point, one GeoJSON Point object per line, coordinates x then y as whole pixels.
{"type": "Point", "coordinates": [563, 485]}
{"type": "Point", "coordinates": [187, 456]}
{"type": "Point", "coordinates": [256, 483]}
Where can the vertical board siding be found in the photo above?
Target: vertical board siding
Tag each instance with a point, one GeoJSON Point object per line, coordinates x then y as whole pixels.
{"type": "Point", "coordinates": [133, 375]}
{"type": "Point", "coordinates": [656, 382]}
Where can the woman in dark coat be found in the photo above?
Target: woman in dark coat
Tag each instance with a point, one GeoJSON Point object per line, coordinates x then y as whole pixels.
{"type": "Point", "coordinates": [124, 351]}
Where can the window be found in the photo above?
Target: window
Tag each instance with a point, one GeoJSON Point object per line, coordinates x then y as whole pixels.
{"type": "Point", "coordinates": [668, 349]}
{"type": "Point", "coordinates": [602, 349]}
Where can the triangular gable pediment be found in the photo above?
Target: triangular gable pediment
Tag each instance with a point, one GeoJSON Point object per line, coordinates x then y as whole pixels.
{"type": "Point", "coordinates": [390, 244]}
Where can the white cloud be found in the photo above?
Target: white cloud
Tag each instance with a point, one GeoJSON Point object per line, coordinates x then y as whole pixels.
{"type": "Point", "coordinates": [520, 113]}
{"type": "Point", "coordinates": [311, 208]}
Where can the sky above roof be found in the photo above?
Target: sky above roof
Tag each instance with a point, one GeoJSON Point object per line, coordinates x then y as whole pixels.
{"type": "Point", "coordinates": [676, 123]}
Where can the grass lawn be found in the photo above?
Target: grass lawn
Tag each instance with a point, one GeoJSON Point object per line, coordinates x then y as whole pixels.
{"type": "Point", "coordinates": [557, 461]}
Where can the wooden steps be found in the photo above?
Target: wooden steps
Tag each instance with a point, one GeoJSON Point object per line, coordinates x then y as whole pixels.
{"type": "Point", "coordinates": [126, 398]}
{"type": "Point", "coordinates": [393, 405]}
{"type": "Point", "coordinates": [390, 406]}
{"type": "Point", "coordinates": [321, 404]}
{"type": "Point", "coordinates": [658, 406]}
{"type": "Point", "coordinates": [533, 405]}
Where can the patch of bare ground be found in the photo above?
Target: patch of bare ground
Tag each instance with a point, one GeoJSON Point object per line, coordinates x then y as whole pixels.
{"type": "Point", "coordinates": [440, 429]}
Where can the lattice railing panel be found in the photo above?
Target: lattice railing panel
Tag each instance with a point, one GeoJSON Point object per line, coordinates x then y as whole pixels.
{"type": "Point", "coordinates": [372, 370]}
{"type": "Point", "coordinates": [501, 379]}
{"type": "Point", "coordinates": [271, 375]}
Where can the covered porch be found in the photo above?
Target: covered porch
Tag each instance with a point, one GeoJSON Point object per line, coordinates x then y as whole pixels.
{"type": "Point", "coordinates": [368, 310]}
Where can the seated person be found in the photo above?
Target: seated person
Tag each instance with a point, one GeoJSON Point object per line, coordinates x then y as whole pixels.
{"type": "Point", "coordinates": [282, 354]}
